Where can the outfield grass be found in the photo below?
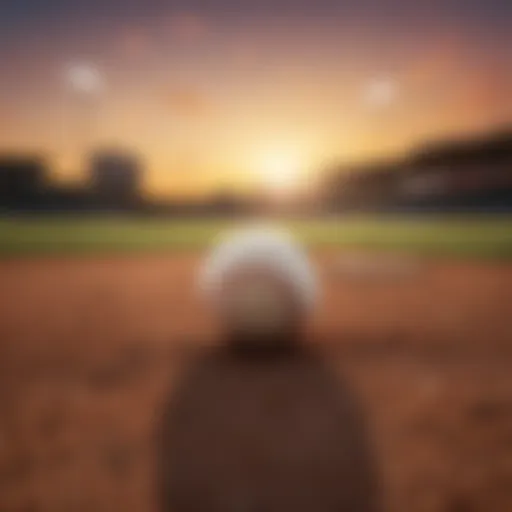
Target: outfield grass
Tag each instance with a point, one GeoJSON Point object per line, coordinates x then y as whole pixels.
{"type": "Point", "coordinates": [489, 237]}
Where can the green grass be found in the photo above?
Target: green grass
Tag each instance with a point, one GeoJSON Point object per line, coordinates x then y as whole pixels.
{"type": "Point", "coordinates": [486, 237]}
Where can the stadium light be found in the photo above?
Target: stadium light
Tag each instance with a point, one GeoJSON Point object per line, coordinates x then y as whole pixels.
{"type": "Point", "coordinates": [381, 93]}
{"type": "Point", "coordinates": [85, 79]}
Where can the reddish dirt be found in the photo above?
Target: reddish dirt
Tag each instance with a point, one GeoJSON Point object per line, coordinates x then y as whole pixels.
{"type": "Point", "coordinates": [88, 347]}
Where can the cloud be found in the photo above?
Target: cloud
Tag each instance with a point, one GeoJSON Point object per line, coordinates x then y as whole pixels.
{"type": "Point", "coordinates": [188, 27]}
{"type": "Point", "coordinates": [135, 42]}
{"type": "Point", "coordinates": [187, 102]}
{"type": "Point", "coordinates": [457, 74]}
{"type": "Point", "coordinates": [444, 56]}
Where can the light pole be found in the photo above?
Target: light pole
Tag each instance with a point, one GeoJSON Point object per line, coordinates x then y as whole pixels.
{"type": "Point", "coordinates": [85, 86]}
{"type": "Point", "coordinates": [378, 98]}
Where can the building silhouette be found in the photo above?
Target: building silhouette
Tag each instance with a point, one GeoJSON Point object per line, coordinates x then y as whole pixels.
{"type": "Point", "coordinates": [462, 174]}
{"type": "Point", "coordinates": [22, 181]}
{"type": "Point", "coordinates": [458, 175]}
{"type": "Point", "coordinates": [467, 174]}
{"type": "Point", "coordinates": [115, 178]}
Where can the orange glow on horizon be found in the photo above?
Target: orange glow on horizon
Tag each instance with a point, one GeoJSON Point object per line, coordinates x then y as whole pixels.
{"type": "Point", "coordinates": [203, 103]}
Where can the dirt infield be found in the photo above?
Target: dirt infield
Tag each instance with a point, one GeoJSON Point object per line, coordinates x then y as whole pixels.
{"type": "Point", "coordinates": [88, 347]}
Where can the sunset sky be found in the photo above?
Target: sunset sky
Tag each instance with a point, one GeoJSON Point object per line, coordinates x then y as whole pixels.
{"type": "Point", "coordinates": [219, 94]}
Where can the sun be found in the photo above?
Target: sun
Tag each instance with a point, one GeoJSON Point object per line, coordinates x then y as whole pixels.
{"type": "Point", "coordinates": [279, 170]}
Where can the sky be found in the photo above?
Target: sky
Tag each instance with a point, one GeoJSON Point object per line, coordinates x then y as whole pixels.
{"type": "Point", "coordinates": [224, 94]}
